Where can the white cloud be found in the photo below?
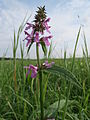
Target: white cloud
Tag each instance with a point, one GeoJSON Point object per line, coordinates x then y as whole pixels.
{"type": "Point", "coordinates": [65, 23]}
{"type": "Point", "coordinates": [12, 14]}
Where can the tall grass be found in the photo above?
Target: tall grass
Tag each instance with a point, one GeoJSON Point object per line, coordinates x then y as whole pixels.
{"type": "Point", "coordinates": [69, 86]}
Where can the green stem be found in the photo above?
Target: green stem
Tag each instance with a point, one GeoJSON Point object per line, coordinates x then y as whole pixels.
{"type": "Point", "coordinates": [41, 86]}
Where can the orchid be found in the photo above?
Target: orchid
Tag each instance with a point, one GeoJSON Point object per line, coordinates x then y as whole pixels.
{"type": "Point", "coordinates": [48, 65]}
{"type": "Point", "coordinates": [35, 34]}
{"type": "Point", "coordinates": [28, 38]}
{"type": "Point", "coordinates": [29, 26]}
{"type": "Point", "coordinates": [33, 70]}
{"type": "Point", "coordinates": [46, 25]}
{"type": "Point", "coordinates": [38, 27]}
{"type": "Point", "coordinates": [45, 39]}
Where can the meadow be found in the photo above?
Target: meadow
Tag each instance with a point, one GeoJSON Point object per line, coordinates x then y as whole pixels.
{"type": "Point", "coordinates": [23, 103]}
{"type": "Point", "coordinates": [64, 92]}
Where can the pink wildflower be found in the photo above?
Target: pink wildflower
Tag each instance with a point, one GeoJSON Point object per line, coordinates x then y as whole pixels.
{"type": "Point", "coordinates": [46, 25]}
{"type": "Point", "coordinates": [48, 65]}
{"type": "Point", "coordinates": [28, 37]}
{"type": "Point", "coordinates": [33, 70]}
{"type": "Point", "coordinates": [29, 26]}
{"type": "Point", "coordinates": [45, 39]}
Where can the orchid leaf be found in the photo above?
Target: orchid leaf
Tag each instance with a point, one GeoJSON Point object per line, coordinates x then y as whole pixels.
{"type": "Point", "coordinates": [29, 47]}
{"type": "Point", "coordinates": [65, 72]}
{"type": "Point", "coordinates": [44, 48]}
{"type": "Point", "coordinates": [52, 109]}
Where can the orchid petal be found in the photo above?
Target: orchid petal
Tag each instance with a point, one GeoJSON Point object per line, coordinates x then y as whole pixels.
{"type": "Point", "coordinates": [36, 37]}
{"type": "Point", "coordinates": [33, 69]}
{"type": "Point", "coordinates": [29, 26]}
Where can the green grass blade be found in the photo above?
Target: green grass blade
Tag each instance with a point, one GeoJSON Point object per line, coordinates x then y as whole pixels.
{"type": "Point", "coordinates": [85, 43]}
{"type": "Point", "coordinates": [14, 44]}
{"type": "Point", "coordinates": [12, 109]}
{"type": "Point", "coordinates": [50, 50]}
{"type": "Point", "coordinates": [75, 49]}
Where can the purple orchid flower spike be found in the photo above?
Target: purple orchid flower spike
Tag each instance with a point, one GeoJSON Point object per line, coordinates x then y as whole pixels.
{"type": "Point", "coordinates": [48, 65]}
{"type": "Point", "coordinates": [45, 39]}
{"type": "Point", "coordinates": [33, 70]}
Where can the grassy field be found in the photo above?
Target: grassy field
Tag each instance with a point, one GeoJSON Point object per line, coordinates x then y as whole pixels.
{"type": "Point", "coordinates": [21, 101]}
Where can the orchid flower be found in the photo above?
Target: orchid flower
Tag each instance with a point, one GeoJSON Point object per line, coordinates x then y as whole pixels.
{"type": "Point", "coordinates": [45, 39]}
{"type": "Point", "coordinates": [29, 26]}
{"type": "Point", "coordinates": [46, 25]}
{"type": "Point", "coordinates": [48, 65]}
{"type": "Point", "coordinates": [33, 70]}
{"type": "Point", "coordinates": [28, 37]}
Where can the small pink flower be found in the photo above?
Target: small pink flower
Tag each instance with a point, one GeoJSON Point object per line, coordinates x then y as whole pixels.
{"type": "Point", "coordinates": [29, 37]}
{"type": "Point", "coordinates": [48, 65]}
{"type": "Point", "coordinates": [33, 70]}
{"type": "Point", "coordinates": [29, 26]}
{"type": "Point", "coordinates": [29, 41]}
{"type": "Point", "coordinates": [46, 25]}
{"type": "Point", "coordinates": [45, 39]}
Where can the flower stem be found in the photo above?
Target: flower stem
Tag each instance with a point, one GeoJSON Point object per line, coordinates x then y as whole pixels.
{"type": "Point", "coordinates": [41, 86]}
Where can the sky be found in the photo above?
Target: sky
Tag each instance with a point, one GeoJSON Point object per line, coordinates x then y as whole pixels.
{"type": "Point", "coordinates": [66, 18]}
